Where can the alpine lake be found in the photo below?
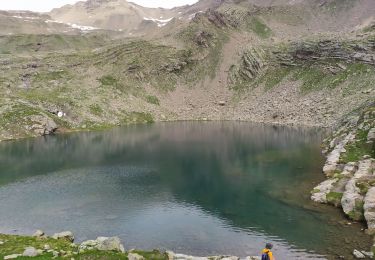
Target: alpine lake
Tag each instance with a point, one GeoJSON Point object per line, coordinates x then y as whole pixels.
{"type": "Point", "coordinates": [199, 188]}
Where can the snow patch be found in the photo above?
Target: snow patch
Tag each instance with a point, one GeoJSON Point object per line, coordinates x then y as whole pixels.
{"type": "Point", "coordinates": [75, 26]}
{"type": "Point", "coordinates": [159, 22]}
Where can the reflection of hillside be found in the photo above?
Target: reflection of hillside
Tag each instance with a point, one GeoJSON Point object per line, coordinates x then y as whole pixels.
{"type": "Point", "coordinates": [136, 144]}
{"type": "Point", "coordinates": [224, 168]}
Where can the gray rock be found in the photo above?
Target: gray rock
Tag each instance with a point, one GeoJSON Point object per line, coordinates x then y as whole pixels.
{"type": "Point", "coordinates": [14, 256]}
{"type": "Point", "coordinates": [30, 251]}
{"type": "Point", "coordinates": [369, 209]}
{"type": "Point", "coordinates": [368, 254]}
{"type": "Point", "coordinates": [371, 135]}
{"type": "Point", "coordinates": [43, 125]}
{"type": "Point", "coordinates": [38, 233]}
{"type": "Point", "coordinates": [358, 254]}
{"type": "Point", "coordinates": [134, 256]}
{"type": "Point", "coordinates": [321, 191]}
{"type": "Point", "coordinates": [67, 235]}
{"type": "Point", "coordinates": [110, 244]}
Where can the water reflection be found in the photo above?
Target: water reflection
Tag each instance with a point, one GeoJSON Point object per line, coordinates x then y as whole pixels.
{"type": "Point", "coordinates": [203, 188]}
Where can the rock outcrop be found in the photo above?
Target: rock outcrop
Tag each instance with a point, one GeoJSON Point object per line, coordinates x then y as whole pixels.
{"type": "Point", "coordinates": [350, 168]}
{"type": "Point", "coordinates": [103, 244]}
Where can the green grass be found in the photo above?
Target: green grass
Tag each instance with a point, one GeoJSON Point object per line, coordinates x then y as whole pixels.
{"type": "Point", "coordinates": [274, 77]}
{"type": "Point", "coordinates": [334, 198]}
{"type": "Point", "coordinates": [17, 244]}
{"type": "Point", "coordinates": [358, 213]}
{"type": "Point", "coordinates": [259, 27]}
{"type": "Point", "coordinates": [108, 80]}
{"type": "Point", "coordinates": [355, 151]}
{"type": "Point", "coordinates": [96, 109]}
{"type": "Point", "coordinates": [153, 100]}
{"type": "Point", "coordinates": [137, 117]}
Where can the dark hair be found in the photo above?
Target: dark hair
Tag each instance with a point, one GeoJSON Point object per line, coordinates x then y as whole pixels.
{"type": "Point", "coordinates": [269, 246]}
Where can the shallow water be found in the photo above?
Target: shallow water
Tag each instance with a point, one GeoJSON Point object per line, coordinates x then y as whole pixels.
{"type": "Point", "coordinates": [196, 188]}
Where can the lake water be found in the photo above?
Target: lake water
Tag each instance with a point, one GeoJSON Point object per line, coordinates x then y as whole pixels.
{"type": "Point", "coordinates": [196, 188]}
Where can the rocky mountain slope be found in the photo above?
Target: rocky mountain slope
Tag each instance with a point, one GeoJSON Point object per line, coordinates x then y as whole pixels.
{"type": "Point", "coordinates": [287, 62]}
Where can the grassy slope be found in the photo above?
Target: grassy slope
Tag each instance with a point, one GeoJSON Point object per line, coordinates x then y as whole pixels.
{"type": "Point", "coordinates": [17, 244]}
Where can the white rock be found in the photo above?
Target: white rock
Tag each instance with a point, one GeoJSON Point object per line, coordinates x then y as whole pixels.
{"type": "Point", "coordinates": [358, 254]}
{"type": "Point", "coordinates": [47, 247]}
{"type": "Point", "coordinates": [38, 233]}
{"type": "Point", "coordinates": [322, 190]}
{"type": "Point", "coordinates": [110, 244]}
{"type": "Point", "coordinates": [67, 235]}
{"type": "Point", "coordinates": [14, 256]}
{"type": "Point", "coordinates": [351, 196]}
{"type": "Point", "coordinates": [1, 243]}
{"type": "Point", "coordinates": [30, 251]}
{"type": "Point", "coordinates": [134, 256]}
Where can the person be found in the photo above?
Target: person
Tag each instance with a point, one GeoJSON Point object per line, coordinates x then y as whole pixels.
{"type": "Point", "coordinates": [267, 253]}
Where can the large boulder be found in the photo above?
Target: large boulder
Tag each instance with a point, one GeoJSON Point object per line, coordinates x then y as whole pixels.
{"type": "Point", "coordinates": [66, 235]}
{"type": "Point", "coordinates": [43, 125]}
{"type": "Point", "coordinates": [103, 244]}
{"type": "Point", "coordinates": [110, 244]}
{"type": "Point", "coordinates": [352, 200]}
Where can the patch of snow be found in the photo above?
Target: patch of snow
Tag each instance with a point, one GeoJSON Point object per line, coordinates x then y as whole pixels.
{"type": "Point", "coordinates": [75, 26]}
{"type": "Point", "coordinates": [159, 22]}
{"type": "Point", "coordinates": [25, 17]}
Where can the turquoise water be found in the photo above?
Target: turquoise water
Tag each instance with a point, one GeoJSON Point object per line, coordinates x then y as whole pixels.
{"type": "Point", "coordinates": [196, 188]}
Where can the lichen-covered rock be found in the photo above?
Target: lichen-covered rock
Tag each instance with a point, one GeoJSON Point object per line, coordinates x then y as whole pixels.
{"type": "Point", "coordinates": [352, 200]}
{"type": "Point", "coordinates": [319, 194]}
{"type": "Point", "coordinates": [103, 244]}
{"type": "Point", "coordinates": [67, 235]}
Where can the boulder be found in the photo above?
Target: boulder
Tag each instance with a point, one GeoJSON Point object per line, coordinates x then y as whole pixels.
{"type": "Point", "coordinates": [320, 192]}
{"type": "Point", "coordinates": [109, 244]}
{"type": "Point", "coordinates": [358, 254]}
{"type": "Point", "coordinates": [38, 233]}
{"type": "Point", "coordinates": [369, 209]}
{"type": "Point", "coordinates": [134, 256]}
{"type": "Point", "coordinates": [352, 200]}
{"type": "Point", "coordinates": [43, 125]}
{"type": "Point", "coordinates": [67, 235]}
{"type": "Point", "coordinates": [14, 256]}
{"type": "Point", "coordinates": [30, 251]}
{"type": "Point", "coordinates": [371, 135]}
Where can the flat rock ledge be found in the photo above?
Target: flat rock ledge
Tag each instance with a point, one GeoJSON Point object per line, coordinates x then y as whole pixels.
{"type": "Point", "coordinates": [350, 171]}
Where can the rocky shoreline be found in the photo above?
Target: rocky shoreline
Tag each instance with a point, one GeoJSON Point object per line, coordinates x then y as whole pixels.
{"type": "Point", "coordinates": [350, 171]}
{"type": "Point", "coordinates": [61, 246]}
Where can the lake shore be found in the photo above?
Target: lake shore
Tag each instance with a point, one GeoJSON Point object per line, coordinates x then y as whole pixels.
{"type": "Point", "coordinates": [62, 246]}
